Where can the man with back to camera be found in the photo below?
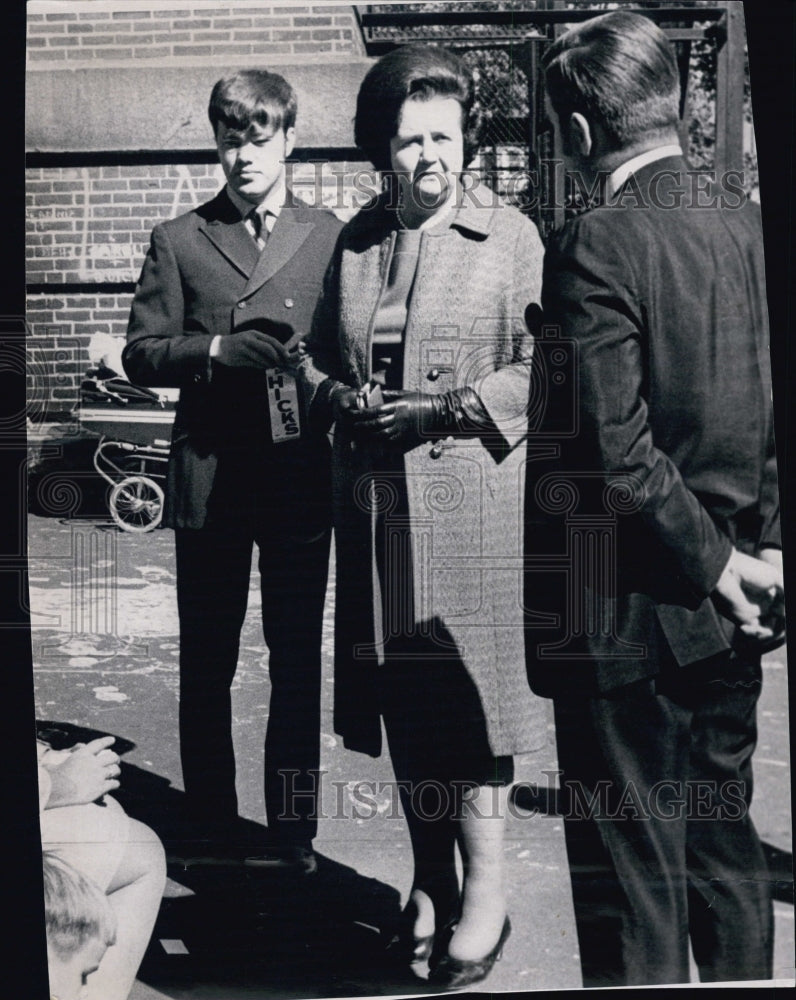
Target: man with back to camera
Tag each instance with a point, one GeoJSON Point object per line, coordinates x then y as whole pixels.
{"type": "Point", "coordinates": [224, 296]}
{"type": "Point", "coordinates": [654, 664]}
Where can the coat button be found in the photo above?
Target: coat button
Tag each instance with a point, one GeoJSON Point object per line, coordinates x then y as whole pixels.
{"type": "Point", "coordinates": [241, 305]}
{"type": "Point", "coordinates": [288, 303]}
{"type": "Point", "coordinates": [433, 375]}
{"type": "Point", "coordinates": [436, 451]}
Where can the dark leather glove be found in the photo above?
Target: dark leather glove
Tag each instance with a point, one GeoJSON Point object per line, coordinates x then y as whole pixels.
{"type": "Point", "coordinates": [251, 349]}
{"type": "Point", "coordinates": [461, 413]}
{"type": "Point", "coordinates": [407, 418]}
{"type": "Point", "coordinates": [345, 406]}
{"type": "Point", "coordinates": [343, 400]}
{"type": "Point", "coordinates": [404, 418]}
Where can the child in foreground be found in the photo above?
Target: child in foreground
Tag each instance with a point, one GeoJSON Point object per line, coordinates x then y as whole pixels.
{"type": "Point", "coordinates": [80, 925]}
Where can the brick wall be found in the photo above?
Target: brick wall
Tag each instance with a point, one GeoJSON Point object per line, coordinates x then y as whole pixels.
{"type": "Point", "coordinates": [88, 33]}
{"type": "Point", "coordinates": [59, 328]}
{"type": "Point", "coordinates": [88, 226]}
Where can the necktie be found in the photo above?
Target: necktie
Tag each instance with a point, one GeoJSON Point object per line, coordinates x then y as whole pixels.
{"type": "Point", "coordinates": [258, 228]}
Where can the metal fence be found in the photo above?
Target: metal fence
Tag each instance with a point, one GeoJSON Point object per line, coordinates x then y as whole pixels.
{"type": "Point", "coordinates": [502, 42]}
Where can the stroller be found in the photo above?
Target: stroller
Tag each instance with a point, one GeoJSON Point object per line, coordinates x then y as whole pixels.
{"type": "Point", "coordinates": [134, 428]}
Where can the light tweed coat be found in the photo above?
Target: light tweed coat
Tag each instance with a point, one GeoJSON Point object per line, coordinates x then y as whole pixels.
{"type": "Point", "coordinates": [465, 326]}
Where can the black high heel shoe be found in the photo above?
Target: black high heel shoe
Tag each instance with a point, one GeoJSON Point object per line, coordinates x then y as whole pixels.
{"type": "Point", "coordinates": [403, 947]}
{"type": "Point", "coordinates": [406, 949]}
{"type": "Point", "coordinates": [454, 973]}
{"type": "Point", "coordinates": [411, 950]}
{"type": "Point", "coordinates": [442, 939]}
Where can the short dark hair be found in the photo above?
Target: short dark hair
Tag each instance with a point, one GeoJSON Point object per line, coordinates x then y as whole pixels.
{"type": "Point", "coordinates": [618, 70]}
{"type": "Point", "coordinates": [253, 96]}
{"type": "Point", "coordinates": [418, 72]}
{"type": "Point", "coordinates": [76, 910]}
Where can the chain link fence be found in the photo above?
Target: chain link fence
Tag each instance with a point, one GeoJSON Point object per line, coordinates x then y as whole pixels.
{"type": "Point", "coordinates": [497, 56]}
{"type": "Point", "coordinates": [517, 156]}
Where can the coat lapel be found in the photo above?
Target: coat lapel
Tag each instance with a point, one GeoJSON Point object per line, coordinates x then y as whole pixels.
{"type": "Point", "coordinates": [290, 230]}
{"type": "Point", "coordinates": [225, 229]}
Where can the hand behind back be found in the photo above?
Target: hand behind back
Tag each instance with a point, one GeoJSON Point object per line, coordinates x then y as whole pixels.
{"type": "Point", "coordinates": [750, 592]}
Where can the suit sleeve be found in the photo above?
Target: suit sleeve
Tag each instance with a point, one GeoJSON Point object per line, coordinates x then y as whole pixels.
{"type": "Point", "coordinates": [505, 391]}
{"type": "Point", "coordinates": [771, 535]}
{"type": "Point", "coordinates": [158, 351]}
{"type": "Point", "coordinates": [588, 292]}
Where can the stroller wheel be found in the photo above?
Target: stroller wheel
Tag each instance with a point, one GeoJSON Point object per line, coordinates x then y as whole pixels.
{"type": "Point", "coordinates": [136, 504]}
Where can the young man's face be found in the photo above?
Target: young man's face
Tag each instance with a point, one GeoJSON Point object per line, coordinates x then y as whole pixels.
{"type": "Point", "coordinates": [253, 161]}
{"type": "Point", "coordinates": [69, 976]}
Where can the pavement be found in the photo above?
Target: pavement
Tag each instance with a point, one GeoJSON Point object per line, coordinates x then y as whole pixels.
{"type": "Point", "coordinates": [105, 652]}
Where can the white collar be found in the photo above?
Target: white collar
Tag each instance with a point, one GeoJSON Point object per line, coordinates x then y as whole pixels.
{"type": "Point", "coordinates": [272, 203]}
{"type": "Point", "coordinates": [618, 177]}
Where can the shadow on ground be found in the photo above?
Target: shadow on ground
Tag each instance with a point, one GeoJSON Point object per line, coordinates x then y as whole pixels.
{"type": "Point", "coordinates": [225, 930]}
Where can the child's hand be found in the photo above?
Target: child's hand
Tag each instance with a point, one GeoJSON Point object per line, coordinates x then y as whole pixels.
{"type": "Point", "coordinates": [85, 775]}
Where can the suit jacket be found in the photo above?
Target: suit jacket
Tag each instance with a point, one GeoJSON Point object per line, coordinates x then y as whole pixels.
{"type": "Point", "coordinates": [203, 276]}
{"type": "Point", "coordinates": [668, 459]}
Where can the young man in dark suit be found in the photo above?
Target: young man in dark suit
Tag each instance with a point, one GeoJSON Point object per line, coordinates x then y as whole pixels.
{"type": "Point", "coordinates": [665, 501]}
{"type": "Point", "coordinates": [225, 294]}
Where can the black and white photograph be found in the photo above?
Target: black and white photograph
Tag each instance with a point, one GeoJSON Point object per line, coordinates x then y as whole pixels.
{"type": "Point", "coordinates": [402, 507]}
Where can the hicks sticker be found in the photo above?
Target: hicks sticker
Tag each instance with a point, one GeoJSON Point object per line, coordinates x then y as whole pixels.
{"type": "Point", "coordinates": [283, 405]}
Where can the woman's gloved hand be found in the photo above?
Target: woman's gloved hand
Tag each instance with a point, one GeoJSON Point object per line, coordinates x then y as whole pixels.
{"type": "Point", "coordinates": [407, 418]}
{"type": "Point", "coordinates": [404, 417]}
{"type": "Point", "coordinates": [344, 403]}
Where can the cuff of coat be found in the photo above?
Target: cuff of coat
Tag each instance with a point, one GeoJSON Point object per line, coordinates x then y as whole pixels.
{"type": "Point", "coordinates": [504, 395]}
{"type": "Point", "coordinates": [705, 575]}
{"type": "Point", "coordinates": [320, 414]}
{"type": "Point", "coordinates": [196, 359]}
{"type": "Point", "coordinates": [215, 343]}
{"type": "Point", "coordinates": [167, 362]}
{"type": "Point", "coordinates": [772, 539]}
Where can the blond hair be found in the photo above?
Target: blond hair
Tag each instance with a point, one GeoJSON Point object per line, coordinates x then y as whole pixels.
{"type": "Point", "coordinates": [76, 910]}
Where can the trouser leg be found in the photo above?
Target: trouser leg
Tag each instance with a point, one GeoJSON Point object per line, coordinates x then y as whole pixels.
{"type": "Point", "coordinates": [213, 570]}
{"type": "Point", "coordinates": [625, 834]}
{"type": "Point", "coordinates": [293, 575]}
{"type": "Point", "coordinates": [730, 908]}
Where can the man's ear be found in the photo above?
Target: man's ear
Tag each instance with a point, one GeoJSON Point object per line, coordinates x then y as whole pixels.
{"type": "Point", "coordinates": [290, 140]}
{"type": "Point", "coordinates": [580, 135]}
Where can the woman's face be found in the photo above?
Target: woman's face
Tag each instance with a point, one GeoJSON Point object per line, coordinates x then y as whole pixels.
{"type": "Point", "coordinates": [427, 151]}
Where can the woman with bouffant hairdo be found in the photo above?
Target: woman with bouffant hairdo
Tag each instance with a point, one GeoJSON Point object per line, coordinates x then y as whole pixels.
{"type": "Point", "coordinates": [418, 72]}
{"type": "Point", "coordinates": [420, 354]}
